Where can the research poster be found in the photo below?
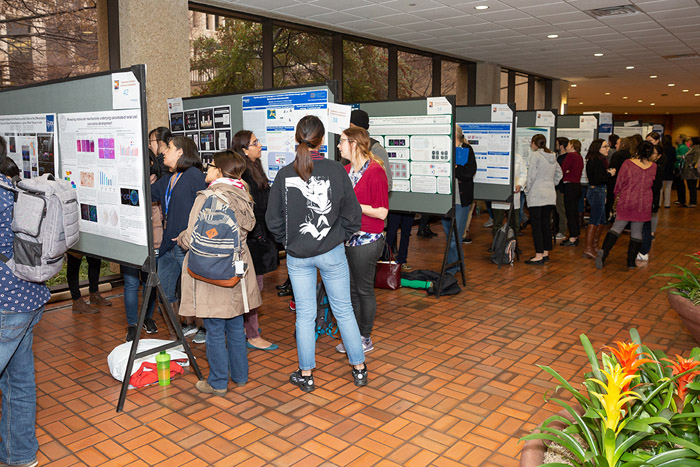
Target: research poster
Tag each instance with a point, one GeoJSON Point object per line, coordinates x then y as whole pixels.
{"type": "Point", "coordinates": [492, 144]}
{"type": "Point", "coordinates": [585, 136]}
{"type": "Point", "coordinates": [31, 142]}
{"type": "Point", "coordinates": [419, 149]}
{"type": "Point", "coordinates": [209, 128]}
{"type": "Point", "coordinates": [102, 157]}
{"type": "Point", "coordinates": [523, 139]}
{"type": "Point", "coordinates": [273, 119]}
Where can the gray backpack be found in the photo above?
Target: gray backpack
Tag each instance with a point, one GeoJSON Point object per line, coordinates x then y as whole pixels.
{"type": "Point", "coordinates": [45, 223]}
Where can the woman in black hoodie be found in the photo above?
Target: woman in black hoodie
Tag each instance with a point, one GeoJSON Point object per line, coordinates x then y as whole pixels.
{"type": "Point", "coordinates": [622, 153]}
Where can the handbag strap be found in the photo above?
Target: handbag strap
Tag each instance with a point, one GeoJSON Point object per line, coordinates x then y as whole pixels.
{"type": "Point", "coordinates": [391, 253]}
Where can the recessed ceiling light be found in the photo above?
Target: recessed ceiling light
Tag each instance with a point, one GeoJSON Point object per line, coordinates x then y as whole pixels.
{"type": "Point", "coordinates": [481, 7]}
{"type": "Point", "coordinates": [607, 93]}
{"type": "Point", "coordinates": [653, 76]}
{"type": "Point", "coordinates": [629, 68]}
{"type": "Point", "coordinates": [670, 85]}
{"type": "Point", "coordinates": [552, 36]}
{"type": "Point", "coordinates": [696, 95]}
{"type": "Point", "coordinates": [580, 103]}
{"type": "Point", "coordinates": [640, 100]}
{"type": "Point", "coordinates": [598, 55]}
{"type": "Point", "coordinates": [624, 97]}
{"type": "Point", "coordinates": [626, 113]}
{"type": "Point", "coordinates": [685, 90]}
{"type": "Point", "coordinates": [574, 85]}
{"type": "Point", "coordinates": [652, 103]}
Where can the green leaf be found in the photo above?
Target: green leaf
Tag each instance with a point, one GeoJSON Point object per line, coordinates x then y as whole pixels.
{"type": "Point", "coordinates": [586, 432]}
{"type": "Point", "coordinates": [568, 441]}
{"type": "Point", "coordinates": [592, 358]}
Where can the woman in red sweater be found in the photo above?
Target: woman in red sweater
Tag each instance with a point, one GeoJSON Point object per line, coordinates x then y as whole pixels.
{"type": "Point", "coordinates": [572, 167]}
{"type": "Point", "coordinates": [366, 172]}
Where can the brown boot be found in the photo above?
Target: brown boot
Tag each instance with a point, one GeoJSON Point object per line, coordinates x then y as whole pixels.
{"type": "Point", "coordinates": [98, 300]}
{"type": "Point", "coordinates": [590, 250]}
{"type": "Point", "coordinates": [79, 306]}
{"type": "Point", "coordinates": [598, 232]}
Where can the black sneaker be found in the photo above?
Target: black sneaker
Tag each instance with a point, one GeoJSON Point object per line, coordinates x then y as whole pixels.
{"type": "Point", "coordinates": [131, 333]}
{"type": "Point", "coordinates": [466, 240]}
{"type": "Point", "coordinates": [305, 383]}
{"type": "Point", "coordinates": [150, 326]}
{"type": "Point", "coordinates": [360, 376]}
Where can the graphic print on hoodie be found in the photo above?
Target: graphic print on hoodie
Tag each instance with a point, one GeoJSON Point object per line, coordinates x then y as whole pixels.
{"type": "Point", "coordinates": [317, 193]}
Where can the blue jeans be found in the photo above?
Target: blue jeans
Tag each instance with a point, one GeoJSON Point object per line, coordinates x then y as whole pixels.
{"type": "Point", "coordinates": [336, 278]}
{"type": "Point", "coordinates": [169, 270]}
{"type": "Point", "coordinates": [394, 222]}
{"type": "Point", "coordinates": [596, 198]}
{"type": "Point", "coordinates": [133, 277]}
{"type": "Point", "coordinates": [582, 199]}
{"type": "Point", "coordinates": [17, 426]}
{"type": "Point", "coordinates": [226, 351]}
{"type": "Point", "coordinates": [461, 213]}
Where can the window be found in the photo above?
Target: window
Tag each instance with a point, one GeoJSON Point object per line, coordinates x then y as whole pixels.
{"type": "Point", "coordinates": [520, 91]}
{"type": "Point", "coordinates": [415, 75]}
{"type": "Point", "coordinates": [226, 59]}
{"type": "Point", "coordinates": [301, 57]}
{"type": "Point", "coordinates": [449, 76]}
{"type": "Point", "coordinates": [47, 40]}
{"type": "Point", "coordinates": [365, 72]}
{"type": "Point", "coordinates": [540, 91]}
{"type": "Point", "coordinates": [504, 86]}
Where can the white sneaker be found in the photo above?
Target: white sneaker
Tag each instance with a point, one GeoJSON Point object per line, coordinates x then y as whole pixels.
{"type": "Point", "coordinates": [560, 236]}
{"type": "Point", "coordinates": [641, 257]}
{"type": "Point", "coordinates": [489, 223]}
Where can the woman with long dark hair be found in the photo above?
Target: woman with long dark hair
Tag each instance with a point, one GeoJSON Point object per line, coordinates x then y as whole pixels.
{"type": "Point", "coordinates": [313, 211]}
{"type": "Point", "coordinates": [222, 308]}
{"type": "Point", "coordinates": [543, 174]}
{"type": "Point", "coordinates": [365, 247]}
{"type": "Point", "coordinates": [667, 174]}
{"type": "Point", "coordinates": [598, 176]}
{"type": "Point", "coordinates": [176, 195]}
{"type": "Point", "coordinates": [260, 242]}
{"type": "Point", "coordinates": [572, 168]}
{"type": "Point", "coordinates": [634, 199]}
{"type": "Point", "coordinates": [622, 153]}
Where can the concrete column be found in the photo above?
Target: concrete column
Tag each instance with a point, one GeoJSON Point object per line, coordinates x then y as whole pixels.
{"type": "Point", "coordinates": [161, 40]}
{"type": "Point", "coordinates": [560, 96]}
{"type": "Point", "coordinates": [488, 83]}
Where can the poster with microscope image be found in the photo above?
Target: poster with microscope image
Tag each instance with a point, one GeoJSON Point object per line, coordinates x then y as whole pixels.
{"type": "Point", "coordinates": [209, 128]}
{"type": "Point", "coordinates": [420, 151]}
{"type": "Point", "coordinates": [31, 143]}
{"type": "Point", "coordinates": [102, 157]}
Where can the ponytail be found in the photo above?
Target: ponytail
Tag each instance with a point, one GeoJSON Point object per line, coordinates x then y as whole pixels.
{"type": "Point", "coordinates": [309, 135]}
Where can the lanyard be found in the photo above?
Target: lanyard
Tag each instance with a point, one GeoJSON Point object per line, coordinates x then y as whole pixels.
{"type": "Point", "coordinates": [169, 190]}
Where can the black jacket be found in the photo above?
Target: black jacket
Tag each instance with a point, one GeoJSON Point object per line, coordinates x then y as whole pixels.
{"type": "Point", "coordinates": [597, 172]}
{"type": "Point", "coordinates": [311, 218]}
{"type": "Point", "coordinates": [465, 176]}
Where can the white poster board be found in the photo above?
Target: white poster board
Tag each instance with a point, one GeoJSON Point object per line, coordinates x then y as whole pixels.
{"type": "Point", "coordinates": [419, 149]}
{"type": "Point", "coordinates": [31, 142]}
{"type": "Point", "coordinates": [523, 139]}
{"type": "Point", "coordinates": [274, 117]}
{"type": "Point", "coordinates": [492, 146]}
{"type": "Point", "coordinates": [101, 156]}
{"type": "Point", "coordinates": [585, 136]}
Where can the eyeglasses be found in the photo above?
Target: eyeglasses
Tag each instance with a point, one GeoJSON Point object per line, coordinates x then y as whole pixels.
{"type": "Point", "coordinates": [153, 140]}
{"type": "Point", "coordinates": [210, 165]}
{"type": "Point", "coordinates": [605, 146]}
{"type": "Point", "coordinates": [347, 140]}
{"type": "Point", "coordinates": [254, 143]}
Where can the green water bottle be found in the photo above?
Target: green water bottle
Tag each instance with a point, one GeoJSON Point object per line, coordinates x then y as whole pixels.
{"type": "Point", "coordinates": [163, 365]}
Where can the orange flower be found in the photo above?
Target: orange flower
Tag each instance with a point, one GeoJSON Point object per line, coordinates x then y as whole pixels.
{"type": "Point", "coordinates": [682, 365]}
{"type": "Point", "coordinates": [628, 357]}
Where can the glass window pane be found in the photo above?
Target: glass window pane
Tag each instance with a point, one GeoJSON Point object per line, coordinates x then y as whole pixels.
{"type": "Point", "coordinates": [415, 75]}
{"type": "Point", "coordinates": [301, 57]}
{"type": "Point", "coordinates": [448, 75]}
{"type": "Point", "coordinates": [504, 86]}
{"type": "Point", "coordinates": [58, 43]}
{"type": "Point", "coordinates": [539, 93]}
{"type": "Point", "coordinates": [227, 59]}
{"type": "Point", "coordinates": [365, 72]}
{"type": "Point", "coordinates": [520, 91]}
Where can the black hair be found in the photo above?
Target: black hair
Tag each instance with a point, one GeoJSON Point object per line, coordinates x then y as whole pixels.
{"type": "Point", "coordinates": [696, 140]}
{"type": "Point", "coordinates": [241, 140]}
{"type": "Point", "coordinates": [8, 167]}
{"type": "Point", "coordinates": [3, 147]}
{"type": "Point", "coordinates": [540, 141]}
{"type": "Point", "coordinates": [309, 135]}
{"type": "Point", "coordinates": [594, 150]}
{"type": "Point", "coordinates": [190, 154]}
{"type": "Point", "coordinates": [612, 139]}
{"type": "Point", "coordinates": [644, 150]}
{"type": "Point", "coordinates": [562, 141]}
{"type": "Point", "coordinates": [161, 134]}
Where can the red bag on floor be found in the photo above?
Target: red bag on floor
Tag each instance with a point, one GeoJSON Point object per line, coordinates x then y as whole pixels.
{"type": "Point", "coordinates": [148, 374]}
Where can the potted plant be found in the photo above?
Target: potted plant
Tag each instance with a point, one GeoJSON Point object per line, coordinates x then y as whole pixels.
{"type": "Point", "coordinates": [635, 408]}
{"type": "Point", "coordinates": [684, 295]}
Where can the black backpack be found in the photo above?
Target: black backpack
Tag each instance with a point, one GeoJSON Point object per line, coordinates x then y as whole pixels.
{"type": "Point", "coordinates": [504, 245]}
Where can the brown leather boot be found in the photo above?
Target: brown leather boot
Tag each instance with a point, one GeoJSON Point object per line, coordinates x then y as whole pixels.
{"type": "Point", "coordinates": [98, 300]}
{"type": "Point", "coordinates": [599, 229]}
{"type": "Point", "coordinates": [79, 306]}
{"type": "Point", "coordinates": [590, 251]}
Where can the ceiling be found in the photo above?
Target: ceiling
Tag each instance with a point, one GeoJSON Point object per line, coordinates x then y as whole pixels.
{"type": "Point", "coordinates": [513, 34]}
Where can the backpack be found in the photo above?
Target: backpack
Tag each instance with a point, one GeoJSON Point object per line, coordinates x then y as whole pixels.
{"type": "Point", "coordinates": [46, 224]}
{"type": "Point", "coordinates": [504, 243]}
{"type": "Point", "coordinates": [324, 316]}
{"type": "Point", "coordinates": [215, 247]}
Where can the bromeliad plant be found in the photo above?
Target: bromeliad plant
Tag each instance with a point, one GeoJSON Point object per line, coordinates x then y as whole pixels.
{"type": "Point", "coordinates": [636, 410]}
{"type": "Point", "coordinates": [688, 284]}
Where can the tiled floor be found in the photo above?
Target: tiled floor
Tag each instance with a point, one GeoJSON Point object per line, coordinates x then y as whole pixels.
{"type": "Point", "coordinates": [453, 381]}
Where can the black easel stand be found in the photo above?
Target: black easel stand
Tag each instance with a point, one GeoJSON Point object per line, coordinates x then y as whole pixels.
{"type": "Point", "coordinates": [451, 233]}
{"type": "Point", "coordinates": [154, 283]}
